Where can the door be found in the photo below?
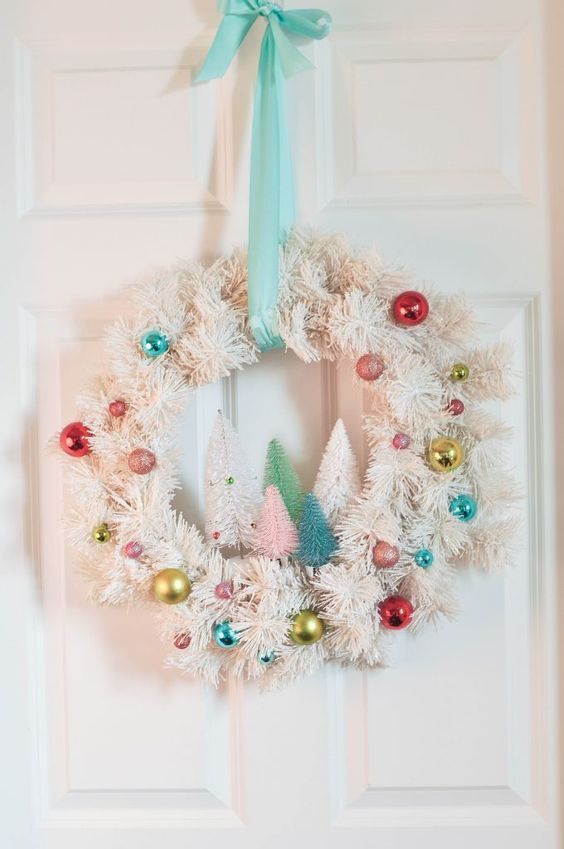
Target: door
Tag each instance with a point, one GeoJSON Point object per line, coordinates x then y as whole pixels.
{"type": "Point", "coordinates": [423, 130]}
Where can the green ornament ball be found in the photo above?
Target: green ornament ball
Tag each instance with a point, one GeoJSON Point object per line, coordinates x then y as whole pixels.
{"type": "Point", "coordinates": [154, 343]}
{"type": "Point", "coordinates": [101, 534]}
{"type": "Point", "coordinates": [225, 635]}
{"type": "Point", "coordinates": [424, 558]}
{"type": "Point", "coordinates": [459, 372]}
{"type": "Point", "coordinates": [463, 507]}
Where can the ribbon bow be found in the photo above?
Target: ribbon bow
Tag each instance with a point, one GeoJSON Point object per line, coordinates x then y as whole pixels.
{"type": "Point", "coordinates": [271, 201]}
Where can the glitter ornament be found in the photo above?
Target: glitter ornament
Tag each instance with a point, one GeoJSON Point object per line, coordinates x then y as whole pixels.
{"type": "Point", "coordinates": [225, 635]}
{"type": "Point", "coordinates": [74, 439]}
{"type": "Point", "coordinates": [370, 367]}
{"type": "Point", "coordinates": [385, 555]}
{"type": "Point", "coordinates": [459, 372]}
{"type": "Point", "coordinates": [463, 507]}
{"type": "Point", "coordinates": [224, 590]}
{"type": "Point", "coordinates": [154, 343]}
{"type": "Point", "coordinates": [141, 461]}
{"type": "Point", "coordinates": [410, 308]}
{"type": "Point", "coordinates": [401, 441]}
{"type": "Point", "coordinates": [102, 533]}
{"type": "Point", "coordinates": [172, 586]}
{"type": "Point", "coordinates": [133, 549]}
{"type": "Point", "coordinates": [117, 408]}
{"type": "Point", "coordinates": [307, 628]}
{"type": "Point", "coordinates": [395, 612]}
{"type": "Point", "coordinates": [182, 640]}
{"type": "Point", "coordinates": [424, 558]}
{"type": "Point", "coordinates": [266, 658]}
{"type": "Point", "coordinates": [445, 454]}
{"type": "Point", "coordinates": [456, 407]}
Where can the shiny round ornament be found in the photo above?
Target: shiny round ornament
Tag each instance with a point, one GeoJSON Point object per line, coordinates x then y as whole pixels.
{"type": "Point", "coordinates": [424, 558]}
{"type": "Point", "coordinates": [133, 549]}
{"type": "Point", "coordinates": [172, 586]}
{"type": "Point", "coordinates": [225, 635]}
{"type": "Point", "coordinates": [307, 628]}
{"type": "Point", "coordinates": [463, 507]}
{"type": "Point", "coordinates": [266, 658]}
{"type": "Point", "coordinates": [182, 640]}
{"type": "Point", "coordinates": [445, 454]}
{"type": "Point", "coordinates": [370, 367]}
{"type": "Point", "coordinates": [456, 407]}
{"type": "Point", "coordinates": [117, 408]}
{"type": "Point", "coordinates": [395, 612]}
{"type": "Point", "coordinates": [141, 461]}
{"type": "Point", "coordinates": [216, 535]}
{"type": "Point", "coordinates": [385, 555]}
{"type": "Point", "coordinates": [401, 441]}
{"type": "Point", "coordinates": [154, 343]}
{"type": "Point", "coordinates": [101, 534]}
{"type": "Point", "coordinates": [410, 308]}
{"type": "Point", "coordinates": [74, 439]}
{"type": "Point", "coordinates": [230, 480]}
{"type": "Point", "coordinates": [224, 590]}
{"type": "Point", "coordinates": [459, 373]}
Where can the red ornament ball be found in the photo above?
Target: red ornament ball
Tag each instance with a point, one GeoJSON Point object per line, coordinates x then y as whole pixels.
{"type": "Point", "coordinates": [456, 407]}
{"type": "Point", "coordinates": [395, 612]}
{"type": "Point", "coordinates": [133, 549]}
{"type": "Point", "coordinates": [224, 590]}
{"type": "Point", "coordinates": [216, 535]}
{"type": "Point", "coordinates": [385, 555]}
{"type": "Point", "coordinates": [182, 640]}
{"type": "Point", "coordinates": [401, 441]}
{"type": "Point", "coordinates": [141, 461]}
{"type": "Point", "coordinates": [74, 439]}
{"type": "Point", "coordinates": [410, 308]}
{"type": "Point", "coordinates": [117, 408]}
{"type": "Point", "coordinates": [370, 367]}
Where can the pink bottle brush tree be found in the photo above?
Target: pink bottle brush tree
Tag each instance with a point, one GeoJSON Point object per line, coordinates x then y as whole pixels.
{"type": "Point", "coordinates": [275, 533]}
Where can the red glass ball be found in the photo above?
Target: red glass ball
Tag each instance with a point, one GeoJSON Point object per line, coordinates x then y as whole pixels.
{"type": "Point", "coordinates": [370, 367]}
{"type": "Point", "coordinates": [216, 535]}
{"type": "Point", "coordinates": [410, 308]}
{"type": "Point", "coordinates": [74, 439]}
{"type": "Point", "coordinates": [224, 590]}
{"type": "Point", "coordinates": [395, 612]}
{"type": "Point", "coordinates": [456, 407]}
{"type": "Point", "coordinates": [401, 441]}
{"type": "Point", "coordinates": [141, 461]}
{"type": "Point", "coordinates": [182, 640]}
{"type": "Point", "coordinates": [117, 408]}
{"type": "Point", "coordinates": [385, 555]}
{"type": "Point", "coordinates": [133, 549]}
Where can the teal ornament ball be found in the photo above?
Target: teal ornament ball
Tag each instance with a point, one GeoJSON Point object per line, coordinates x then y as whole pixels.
{"type": "Point", "coordinates": [154, 343]}
{"type": "Point", "coordinates": [463, 507]}
{"type": "Point", "coordinates": [225, 635]}
{"type": "Point", "coordinates": [266, 658]}
{"type": "Point", "coordinates": [424, 558]}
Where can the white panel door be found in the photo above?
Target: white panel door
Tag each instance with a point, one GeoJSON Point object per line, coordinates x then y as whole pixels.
{"type": "Point", "coordinates": [422, 131]}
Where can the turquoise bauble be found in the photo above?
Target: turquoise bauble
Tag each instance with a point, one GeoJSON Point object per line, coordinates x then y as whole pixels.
{"type": "Point", "coordinates": [266, 658]}
{"type": "Point", "coordinates": [424, 558]}
{"type": "Point", "coordinates": [225, 635]}
{"type": "Point", "coordinates": [154, 343]}
{"type": "Point", "coordinates": [463, 507]}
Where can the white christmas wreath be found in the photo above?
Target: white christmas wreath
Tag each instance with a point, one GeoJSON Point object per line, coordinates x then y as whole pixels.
{"type": "Point", "coordinates": [436, 494]}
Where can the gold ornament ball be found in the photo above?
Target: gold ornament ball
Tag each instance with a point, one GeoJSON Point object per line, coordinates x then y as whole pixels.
{"type": "Point", "coordinates": [308, 628]}
{"type": "Point", "coordinates": [459, 372]}
{"type": "Point", "coordinates": [102, 533]}
{"type": "Point", "coordinates": [172, 586]}
{"type": "Point", "coordinates": [445, 454]}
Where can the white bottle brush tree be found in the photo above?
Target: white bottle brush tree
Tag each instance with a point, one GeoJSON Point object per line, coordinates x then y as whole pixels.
{"type": "Point", "coordinates": [338, 478]}
{"type": "Point", "coordinates": [232, 489]}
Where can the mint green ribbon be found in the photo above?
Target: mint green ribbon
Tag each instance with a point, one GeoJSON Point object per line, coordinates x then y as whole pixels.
{"type": "Point", "coordinates": [271, 201]}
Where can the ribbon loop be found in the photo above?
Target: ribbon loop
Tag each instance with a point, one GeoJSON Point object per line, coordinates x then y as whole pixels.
{"type": "Point", "coordinates": [271, 201]}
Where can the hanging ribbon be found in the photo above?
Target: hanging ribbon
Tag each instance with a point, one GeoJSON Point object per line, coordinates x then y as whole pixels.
{"type": "Point", "coordinates": [271, 201]}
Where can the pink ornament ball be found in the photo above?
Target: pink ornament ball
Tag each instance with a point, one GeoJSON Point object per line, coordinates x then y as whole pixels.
{"type": "Point", "coordinates": [133, 549]}
{"type": "Point", "coordinates": [182, 640]}
{"type": "Point", "coordinates": [224, 590]}
{"type": "Point", "coordinates": [410, 308]}
{"type": "Point", "coordinates": [456, 407]}
{"type": "Point", "coordinates": [117, 408]}
{"type": "Point", "coordinates": [73, 439]}
{"type": "Point", "coordinates": [401, 441]}
{"type": "Point", "coordinates": [141, 461]}
{"type": "Point", "coordinates": [385, 555]}
{"type": "Point", "coordinates": [370, 367]}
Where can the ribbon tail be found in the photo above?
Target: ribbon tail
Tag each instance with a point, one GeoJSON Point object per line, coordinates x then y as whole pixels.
{"type": "Point", "coordinates": [230, 34]}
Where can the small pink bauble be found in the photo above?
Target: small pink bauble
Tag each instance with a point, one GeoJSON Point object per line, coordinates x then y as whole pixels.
{"type": "Point", "coordinates": [117, 408]}
{"type": "Point", "coordinates": [385, 555]}
{"type": "Point", "coordinates": [370, 367]}
{"type": "Point", "coordinates": [401, 441]}
{"type": "Point", "coordinates": [224, 590]}
{"type": "Point", "coordinates": [456, 407]}
{"type": "Point", "coordinates": [141, 461]}
{"type": "Point", "coordinates": [182, 640]}
{"type": "Point", "coordinates": [133, 549]}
